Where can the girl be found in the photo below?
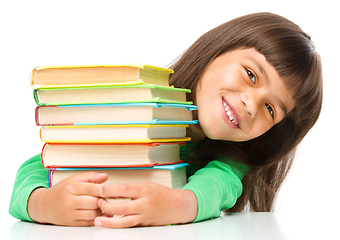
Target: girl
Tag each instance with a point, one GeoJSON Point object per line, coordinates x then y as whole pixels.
{"type": "Point", "coordinates": [258, 86]}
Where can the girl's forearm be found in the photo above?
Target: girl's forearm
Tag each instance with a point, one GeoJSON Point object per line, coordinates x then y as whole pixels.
{"type": "Point", "coordinates": [188, 206]}
{"type": "Point", "coordinates": [35, 205]}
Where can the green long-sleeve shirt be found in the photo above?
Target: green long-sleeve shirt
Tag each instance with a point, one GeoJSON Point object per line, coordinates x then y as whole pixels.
{"type": "Point", "coordinates": [217, 185]}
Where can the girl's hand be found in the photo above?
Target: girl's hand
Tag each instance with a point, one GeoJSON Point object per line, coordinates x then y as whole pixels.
{"type": "Point", "coordinates": [151, 205]}
{"type": "Point", "coordinates": [71, 202]}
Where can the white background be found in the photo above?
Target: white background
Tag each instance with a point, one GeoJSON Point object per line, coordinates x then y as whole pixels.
{"type": "Point", "coordinates": [40, 33]}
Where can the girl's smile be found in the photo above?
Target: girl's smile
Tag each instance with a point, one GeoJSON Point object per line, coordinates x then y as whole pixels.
{"type": "Point", "coordinates": [240, 96]}
{"type": "Point", "coordinates": [230, 115]}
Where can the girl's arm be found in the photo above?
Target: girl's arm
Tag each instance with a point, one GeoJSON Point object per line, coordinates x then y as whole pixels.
{"type": "Point", "coordinates": [71, 202]}
{"type": "Point", "coordinates": [217, 186]}
{"type": "Point", "coordinates": [210, 190]}
{"type": "Point", "coordinates": [30, 176]}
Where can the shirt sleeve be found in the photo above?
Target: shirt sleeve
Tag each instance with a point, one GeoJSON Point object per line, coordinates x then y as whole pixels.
{"type": "Point", "coordinates": [31, 175]}
{"type": "Point", "coordinates": [217, 186]}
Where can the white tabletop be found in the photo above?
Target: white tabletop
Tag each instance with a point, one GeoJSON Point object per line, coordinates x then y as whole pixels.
{"type": "Point", "coordinates": [239, 226]}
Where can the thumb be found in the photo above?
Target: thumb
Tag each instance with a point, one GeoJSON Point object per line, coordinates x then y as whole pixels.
{"type": "Point", "coordinates": [91, 177]}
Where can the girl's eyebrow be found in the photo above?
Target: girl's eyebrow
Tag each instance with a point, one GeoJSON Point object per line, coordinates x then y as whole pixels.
{"type": "Point", "coordinates": [263, 72]}
{"type": "Point", "coordinates": [281, 105]}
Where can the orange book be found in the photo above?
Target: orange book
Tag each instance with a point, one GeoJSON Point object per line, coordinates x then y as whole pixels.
{"type": "Point", "coordinates": [110, 155]}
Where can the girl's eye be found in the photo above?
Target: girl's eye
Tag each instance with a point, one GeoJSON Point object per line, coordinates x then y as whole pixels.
{"type": "Point", "coordinates": [251, 76]}
{"type": "Point", "coordinates": [270, 110]}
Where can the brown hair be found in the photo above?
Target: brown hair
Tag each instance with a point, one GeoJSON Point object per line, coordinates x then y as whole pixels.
{"type": "Point", "coordinates": [292, 54]}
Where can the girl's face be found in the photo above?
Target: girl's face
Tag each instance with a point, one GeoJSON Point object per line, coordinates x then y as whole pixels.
{"type": "Point", "coordinates": [241, 96]}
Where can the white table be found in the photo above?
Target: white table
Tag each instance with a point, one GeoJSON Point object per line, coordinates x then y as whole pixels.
{"type": "Point", "coordinates": [239, 226]}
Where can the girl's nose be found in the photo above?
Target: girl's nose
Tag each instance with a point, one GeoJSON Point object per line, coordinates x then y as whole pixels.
{"type": "Point", "coordinates": [250, 102]}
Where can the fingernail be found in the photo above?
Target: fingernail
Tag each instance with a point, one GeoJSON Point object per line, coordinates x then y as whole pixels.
{"type": "Point", "coordinates": [101, 192]}
{"type": "Point", "coordinates": [97, 223]}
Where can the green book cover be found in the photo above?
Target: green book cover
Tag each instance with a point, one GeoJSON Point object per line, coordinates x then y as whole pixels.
{"type": "Point", "coordinates": [110, 94]}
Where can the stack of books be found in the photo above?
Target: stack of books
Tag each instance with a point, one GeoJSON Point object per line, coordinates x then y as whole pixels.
{"type": "Point", "coordinates": [124, 120]}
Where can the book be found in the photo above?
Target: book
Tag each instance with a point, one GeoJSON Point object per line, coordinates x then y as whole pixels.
{"type": "Point", "coordinates": [173, 175]}
{"type": "Point", "coordinates": [114, 133]}
{"type": "Point", "coordinates": [115, 113]}
{"type": "Point", "coordinates": [99, 75]}
{"type": "Point", "coordinates": [110, 94]}
{"type": "Point", "coordinates": [110, 155]}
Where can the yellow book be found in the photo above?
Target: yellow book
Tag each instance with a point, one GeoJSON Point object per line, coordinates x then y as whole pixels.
{"type": "Point", "coordinates": [99, 75]}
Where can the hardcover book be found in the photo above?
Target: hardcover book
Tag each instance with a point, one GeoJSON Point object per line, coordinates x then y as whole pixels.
{"type": "Point", "coordinates": [173, 176]}
{"type": "Point", "coordinates": [110, 155]}
{"type": "Point", "coordinates": [115, 113]}
{"type": "Point", "coordinates": [110, 94]}
{"type": "Point", "coordinates": [114, 133]}
{"type": "Point", "coordinates": [99, 75]}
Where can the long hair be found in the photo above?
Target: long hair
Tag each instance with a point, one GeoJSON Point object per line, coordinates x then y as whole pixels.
{"type": "Point", "coordinates": [290, 51]}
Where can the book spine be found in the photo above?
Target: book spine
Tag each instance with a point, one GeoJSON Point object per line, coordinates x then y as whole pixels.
{"type": "Point", "coordinates": [36, 98]}
{"type": "Point", "coordinates": [42, 155]}
{"type": "Point", "coordinates": [50, 170]}
{"type": "Point", "coordinates": [31, 77]}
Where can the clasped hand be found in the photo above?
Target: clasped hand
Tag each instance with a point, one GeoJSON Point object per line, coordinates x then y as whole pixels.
{"type": "Point", "coordinates": [80, 200]}
{"type": "Point", "coordinates": [151, 205]}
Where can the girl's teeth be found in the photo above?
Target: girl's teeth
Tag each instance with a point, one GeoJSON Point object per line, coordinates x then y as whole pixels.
{"type": "Point", "coordinates": [231, 118]}
{"type": "Point", "coordinates": [226, 108]}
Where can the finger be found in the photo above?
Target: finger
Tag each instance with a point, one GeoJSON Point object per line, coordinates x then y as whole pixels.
{"type": "Point", "coordinates": [86, 188]}
{"type": "Point", "coordinates": [121, 208]}
{"type": "Point", "coordinates": [79, 223]}
{"type": "Point", "coordinates": [82, 223]}
{"type": "Point", "coordinates": [92, 177]}
{"type": "Point", "coordinates": [87, 215]}
{"type": "Point", "coordinates": [86, 202]}
{"type": "Point", "coordinates": [120, 191]}
{"type": "Point", "coordinates": [118, 222]}
{"type": "Point", "coordinates": [106, 215]}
